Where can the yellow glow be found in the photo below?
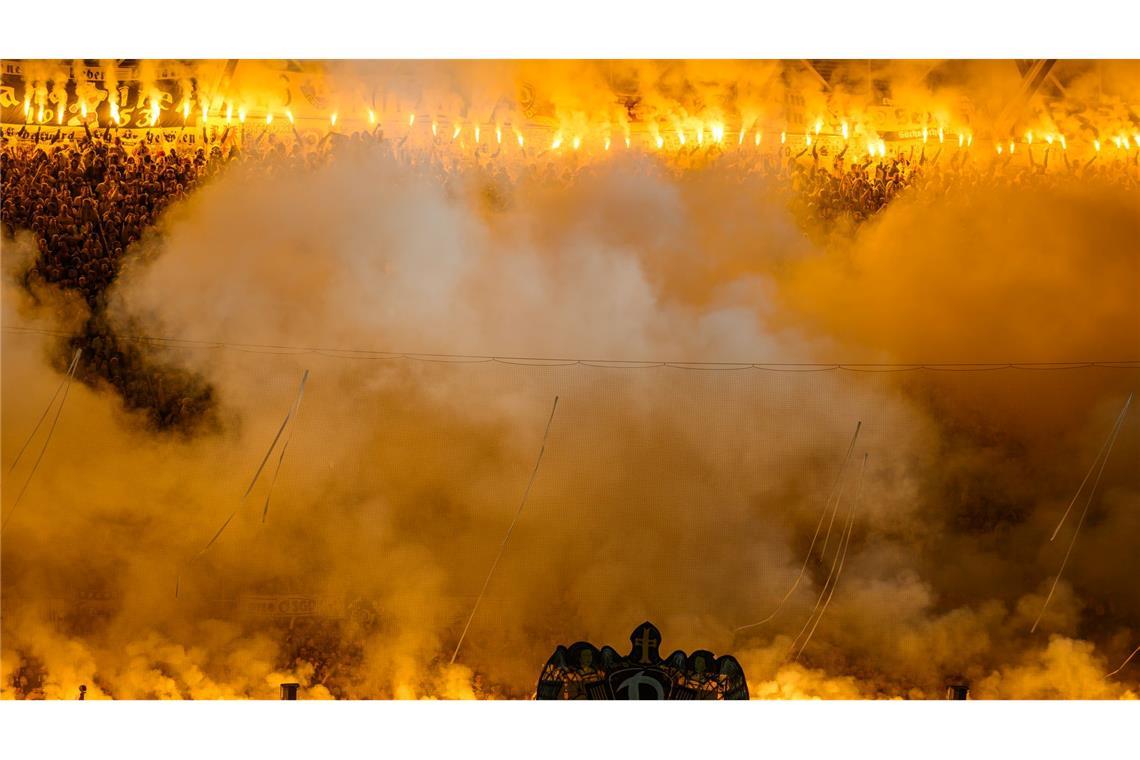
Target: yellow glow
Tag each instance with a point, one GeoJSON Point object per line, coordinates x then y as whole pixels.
{"type": "Point", "coordinates": [818, 125]}
{"type": "Point", "coordinates": [718, 132]}
{"type": "Point", "coordinates": [843, 128]}
{"type": "Point", "coordinates": [241, 114]}
{"type": "Point", "coordinates": [1096, 144]}
{"type": "Point", "coordinates": [82, 109]}
{"type": "Point", "coordinates": [557, 142]}
{"type": "Point", "coordinates": [969, 140]}
{"type": "Point", "coordinates": [229, 112]}
{"type": "Point", "coordinates": [185, 110]}
{"type": "Point", "coordinates": [681, 136]}
{"type": "Point", "coordinates": [759, 137]}
{"type": "Point", "coordinates": [660, 142]}
{"type": "Point", "coordinates": [456, 131]}
{"type": "Point", "coordinates": [807, 140]}
{"type": "Point", "coordinates": [268, 118]}
{"type": "Point", "coordinates": [519, 136]}
{"type": "Point", "coordinates": [114, 113]}
{"type": "Point", "coordinates": [476, 134]}
{"type": "Point", "coordinates": [627, 141]}
{"type": "Point", "coordinates": [606, 143]}
{"type": "Point", "coordinates": [205, 113]}
{"type": "Point", "coordinates": [700, 135]}
{"type": "Point", "coordinates": [371, 117]}
{"type": "Point", "coordinates": [1064, 146]}
{"type": "Point", "coordinates": [434, 129]}
{"type": "Point", "coordinates": [290, 115]}
{"type": "Point", "coordinates": [28, 106]}
{"type": "Point", "coordinates": [498, 134]}
{"type": "Point", "coordinates": [783, 137]}
{"type": "Point", "coordinates": [999, 149]}
{"type": "Point", "coordinates": [1049, 138]}
{"type": "Point", "coordinates": [924, 134]}
{"type": "Point", "coordinates": [412, 119]}
{"type": "Point", "coordinates": [882, 149]}
{"type": "Point", "coordinates": [1012, 147]}
{"type": "Point", "coordinates": [1029, 137]}
{"type": "Point", "coordinates": [59, 114]}
{"type": "Point", "coordinates": [941, 136]}
{"type": "Point", "coordinates": [577, 142]}
{"type": "Point", "coordinates": [154, 111]}
{"type": "Point", "coordinates": [332, 119]}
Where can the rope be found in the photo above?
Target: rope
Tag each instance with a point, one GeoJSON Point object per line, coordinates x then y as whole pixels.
{"type": "Point", "coordinates": [507, 537]}
{"type": "Point", "coordinates": [47, 440]}
{"type": "Point", "coordinates": [1084, 513]}
{"type": "Point", "coordinates": [538, 361]}
{"type": "Point", "coordinates": [815, 536]}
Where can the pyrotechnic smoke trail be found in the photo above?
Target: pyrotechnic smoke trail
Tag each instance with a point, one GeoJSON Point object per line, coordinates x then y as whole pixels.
{"type": "Point", "coordinates": [47, 440]}
{"type": "Point", "coordinates": [842, 559]}
{"type": "Point", "coordinates": [1092, 492]}
{"type": "Point", "coordinates": [815, 536]}
{"type": "Point", "coordinates": [507, 537]}
{"type": "Point", "coordinates": [293, 408]}
{"type": "Point", "coordinates": [1127, 660]}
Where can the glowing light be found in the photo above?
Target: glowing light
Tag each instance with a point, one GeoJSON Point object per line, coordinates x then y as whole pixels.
{"type": "Point", "coordinates": [498, 134]}
{"type": "Point", "coordinates": [969, 140]}
{"type": "Point", "coordinates": [456, 131]}
{"type": "Point", "coordinates": [700, 135]}
{"type": "Point", "coordinates": [961, 140]}
{"type": "Point", "coordinates": [1064, 146]}
{"type": "Point", "coordinates": [783, 137]}
{"type": "Point", "coordinates": [1012, 147]}
{"type": "Point", "coordinates": [941, 136]}
{"type": "Point", "coordinates": [332, 119]}
{"type": "Point", "coordinates": [205, 113]}
{"type": "Point", "coordinates": [241, 114]}
{"type": "Point", "coordinates": [925, 134]}
{"type": "Point", "coordinates": [59, 114]}
{"type": "Point", "coordinates": [681, 136]}
{"type": "Point", "coordinates": [1000, 150]}
{"type": "Point", "coordinates": [577, 142]}
{"type": "Point", "coordinates": [1123, 139]}
{"type": "Point", "coordinates": [476, 134]}
{"type": "Point", "coordinates": [519, 136]}
{"type": "Point", "coordinates": [185, 110]}
{"type": "Point", "coordinates": [807, 140]}
{"type": "Point", "coordinates": [412, 119]}
{"type": "Point", "coordinates": [82, 109]}
{"type": "Point", "coordinates": [1029, 137]}
{"type": "Point", "coordinates": [371, 117]}
{"type": "Point", "coordinates": [882, 149]}
{"type": "Point", "coordinates": [759, 137]}
{"type": "Point", "coordinates": [557, 142]}
{"type": "Point", "coordinates": [1096, 144]}
{"type": "Point", "coordinates": [1116, 141]}
{"type": "Point", "coordinates": [718, 132]}
{"type": "Point", "coordinates": [28, 107]}
{"type": "Point", "coordinates": [606, 144]}
{"type": "Point", "coordinates": [290, 115]}
{"type": "Point", "coordinates": [434, 129]}
{"type": "Point", "coordinates": [154, 111]}
{"type": "Point", "coordinates": [818, 125]}
{"type": "Point", "coordinates": [1049, 138]}
{"type": "Point", "coordinates": [268, 118]}
{"type": "Point", "coordinates": [229, 112]}
{"type": "Point", "coordinates": [627, 141]}
{"type": "Point", "coordinates": [114, 113]}
{"type": "Point", "coordinates": [843, 129]}
{"type": "Point", "coordinates": [660, 142]}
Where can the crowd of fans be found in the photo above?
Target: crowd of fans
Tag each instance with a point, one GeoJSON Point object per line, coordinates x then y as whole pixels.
{"type": "Point", "coordinates": [87, 203]}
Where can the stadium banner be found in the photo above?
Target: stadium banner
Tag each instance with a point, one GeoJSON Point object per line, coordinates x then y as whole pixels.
{"type": "Point", "coordinates": [157, 137]}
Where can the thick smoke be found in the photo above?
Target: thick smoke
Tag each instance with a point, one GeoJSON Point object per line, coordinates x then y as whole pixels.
{"type": "Point", "coordinates": [685, 496]}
